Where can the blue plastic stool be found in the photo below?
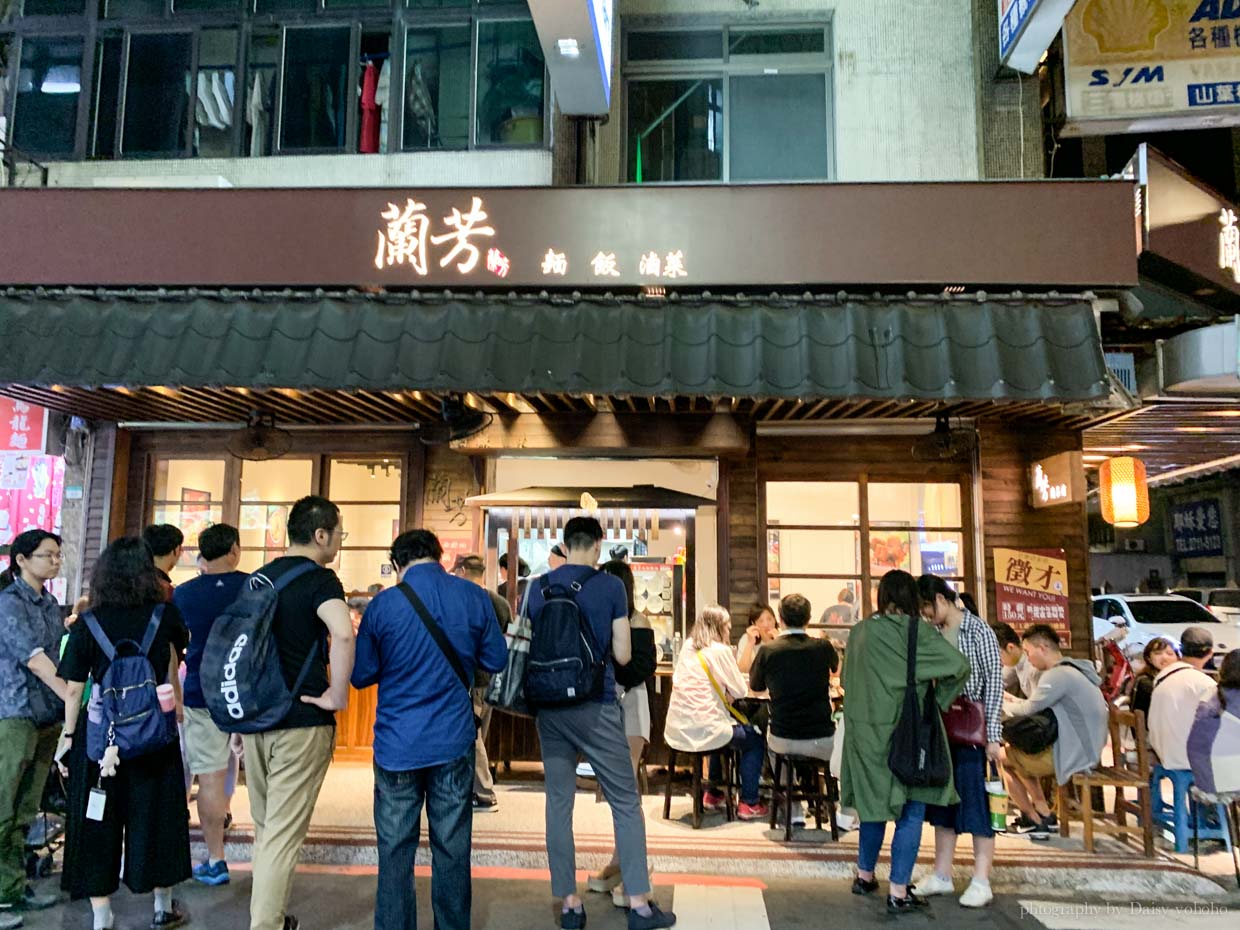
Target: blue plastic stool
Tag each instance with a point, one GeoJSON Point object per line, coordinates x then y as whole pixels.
{"type": "Point", "coordinates": [1176, 817]}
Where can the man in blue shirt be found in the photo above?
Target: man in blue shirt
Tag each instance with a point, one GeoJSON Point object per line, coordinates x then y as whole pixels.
{"type": "Point", "coordinates": [594, 729]}
{"type": "Point", "coordinates": [208, 750]}
{"type": "Point", "coordinates": [424, 728]}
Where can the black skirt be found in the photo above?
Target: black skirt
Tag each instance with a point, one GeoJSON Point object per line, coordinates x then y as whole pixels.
{"type": "Point", "coordinates": [145, 819]}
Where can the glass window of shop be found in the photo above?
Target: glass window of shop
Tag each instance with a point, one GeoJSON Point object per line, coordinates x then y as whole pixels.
{"type": "Point", "coordinates": [250, 78]}
{"type": "Point", "coordinates": [728, 104]}
{"type": "Point", "coordinates": [193, 493]}
{"type": "Point", "coordinates": [823, 543]}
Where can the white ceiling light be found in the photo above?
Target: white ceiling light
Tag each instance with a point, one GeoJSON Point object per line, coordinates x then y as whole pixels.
{"type": "Point", "coordinates": [568, 48]}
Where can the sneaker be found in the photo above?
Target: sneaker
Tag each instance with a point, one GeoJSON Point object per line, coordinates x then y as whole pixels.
{"type": "Point", "coordinates": [485, 805]}
{"type": "Point", "coordinates": [935, 884]}
{"type": "Point", "coordinates": [164, 920]}
{"type": "Point", "coordinates": [1042, 832]}
{"type": "Point", "coordinates": [861, 886]}
{"type": "Point", "coordinates": [798, 815]}
{"type": "Point", "coordinates": [655, 919]}
{"type": "Point", "coordinates": [906, 905]}
{"type": "Point", "coordinates": [585, 770]}
{"type": "Point", "coordinates": [759, 811]}
{"type": "Point", "coordinates": [9, 921]}
{"type": "Point", "coordinates": [1023, 823]}
{"type": "Point", "coordinates": [976, 895]}
{"type": "Point", "coordinates": [210, 874]}
{"type": "Point", "coordinates": [713, 801]}
{"type": "Point", "coordinates": [291, 922]}
{"type": "Point", "coordinates": [30, 900]}
{"type": "Point", "coordinates": [573, 920]}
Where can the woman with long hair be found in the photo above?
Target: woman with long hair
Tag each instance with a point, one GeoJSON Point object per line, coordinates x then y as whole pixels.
{"type": "Point", "coordinates": [632, 681]}
{"type": "Point", "coordinates": [31, 705]}
{"type": "Point", "coordinates": [761, 628]}
{"type": "Point", "coordinates": [700, 716]}
{"type": "Point", "coordinates": [874, 682]}
{"type": "Point", "coordinates": [977, 642]}
{"type": "Point", "coordinates": [145, 820]}
{"type": "Point", "coordinates": [1158, 653]}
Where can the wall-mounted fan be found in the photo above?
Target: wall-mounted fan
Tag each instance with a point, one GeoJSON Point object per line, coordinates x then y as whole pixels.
{"type": "Point", "coordinates": [260, 439]}
{"type": "Point", "coordinates": [457, 421]}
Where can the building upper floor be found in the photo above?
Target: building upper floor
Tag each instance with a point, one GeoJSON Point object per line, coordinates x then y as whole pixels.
{"type": "Point", "coordinates": [247, 93]}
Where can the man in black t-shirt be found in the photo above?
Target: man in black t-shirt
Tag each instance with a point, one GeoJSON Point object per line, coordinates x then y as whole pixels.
{"type": "Point", "coordinates": [796, 668]}
{"type": "Point", "coordinates": [286, 765]}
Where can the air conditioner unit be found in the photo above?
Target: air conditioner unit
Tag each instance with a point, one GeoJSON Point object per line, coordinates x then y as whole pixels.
{"type": "Point", "coordinates": [1134, 545]}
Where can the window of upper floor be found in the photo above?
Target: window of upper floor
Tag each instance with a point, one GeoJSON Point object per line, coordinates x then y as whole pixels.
{"type": "Point", "coordinates": [249, 78]}
{"type": "Point", "coordinates": [727, 103]}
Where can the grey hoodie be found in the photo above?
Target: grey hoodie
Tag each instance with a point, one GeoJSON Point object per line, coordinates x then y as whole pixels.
{"type": "Point", "coordinates": [1075, 697]}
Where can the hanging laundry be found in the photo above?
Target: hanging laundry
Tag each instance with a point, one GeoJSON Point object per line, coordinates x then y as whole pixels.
{"type": "Point", "coordinates": [223, 99]}
{"type": "Point", "coordinates": [206, 107]}
{"type": "Point", "coordinates": [258, 115]}
{"type": "Point", "coordinates": [368, 140]}
{"type": "Point", "coordinates": [382, 91]}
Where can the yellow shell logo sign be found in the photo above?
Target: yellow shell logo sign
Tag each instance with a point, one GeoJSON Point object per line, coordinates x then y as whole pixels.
{"type": "Point", "coordinates": [1125, 25]}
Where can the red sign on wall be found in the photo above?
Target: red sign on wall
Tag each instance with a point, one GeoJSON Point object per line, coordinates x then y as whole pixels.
{"type": "Point", "coordinates": [1031, 586]}
{"type": "Point", "coordinates": [23, 426]}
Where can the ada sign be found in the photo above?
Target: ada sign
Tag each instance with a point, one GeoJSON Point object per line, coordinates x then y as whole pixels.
{"type": "Point", "coordinates": [1026, 30]}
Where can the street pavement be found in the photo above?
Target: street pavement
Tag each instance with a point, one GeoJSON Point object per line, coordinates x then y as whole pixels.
{"type": "Point", "coordinates": [342, 898]}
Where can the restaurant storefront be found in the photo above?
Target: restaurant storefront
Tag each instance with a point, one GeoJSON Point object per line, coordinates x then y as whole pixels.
{"type": "Point", "coordinates": [763, 389]}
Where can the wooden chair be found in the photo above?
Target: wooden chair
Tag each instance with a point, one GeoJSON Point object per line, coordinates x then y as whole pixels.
{"type": "Point", "coordinates": [822, 791]}
{"type": "Point", "coordinates": [1077, 801]}
{"type": "Point", "coordinates": [696, 760]}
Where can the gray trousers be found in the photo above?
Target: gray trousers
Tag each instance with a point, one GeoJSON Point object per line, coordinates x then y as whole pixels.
{"type": "Point", "coordinates": [595, 731]}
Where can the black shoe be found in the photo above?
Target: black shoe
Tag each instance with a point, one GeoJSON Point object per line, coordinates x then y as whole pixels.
{"type": "Point", "coordinates": [861, 886]}
{"type": "Point", "coordinates": [573, 920]}
{"type": "Point", "coordinates": [166, 919]}
{"type": "Point", "coordinates": [291, 922]}
{"type": "Point", "coordinates": [656, 919]}
{"type": "Point", "coordinates": [1023, 824]}
{"type": "Point", "coordinates": [485, 805]}
{"type": "Point", "coordinates": [1042, 832]}
{"type": "Point", "coordinates": [906, 905]}
{"type": "Point", "coordinates": [228, 819]}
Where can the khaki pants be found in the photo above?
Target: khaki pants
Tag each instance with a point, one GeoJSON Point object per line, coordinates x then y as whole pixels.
{"type": "Point", "coordinates": [25, 757]}
{"type": "Point", "coordinates": [484, 784]}
{"type": "Point", "coordinates": [284, 771]}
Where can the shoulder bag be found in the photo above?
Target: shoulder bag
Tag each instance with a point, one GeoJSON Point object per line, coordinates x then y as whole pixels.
{"type": "Point", "coordinates": [714, 683]}
{"type": "Point", "coordinates": [918, 756]}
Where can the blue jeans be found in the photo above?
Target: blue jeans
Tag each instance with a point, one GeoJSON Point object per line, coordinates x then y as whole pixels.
{"type": "Point", "coordinates": [904, 843]}
{"type": "Point", "coordinates": [447, 792]}
{"type": "Point", "coordinates": [752, 748]}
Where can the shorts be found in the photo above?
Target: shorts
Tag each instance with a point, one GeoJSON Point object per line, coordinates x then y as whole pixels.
{"type": "Point", "coordinates": [206, 745]}
{"type": "Point", "coordinates": [1035, 766]}
{"type": "Point", "coordinates": [972, 814]}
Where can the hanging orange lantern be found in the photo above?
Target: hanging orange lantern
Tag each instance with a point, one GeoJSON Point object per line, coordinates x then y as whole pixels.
{"type": "Point", "coordinates": [1124, 495]}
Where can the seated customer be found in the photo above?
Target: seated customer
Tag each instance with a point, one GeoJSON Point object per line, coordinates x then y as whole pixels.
{"type": "Point", "coordinates": [1178, 689]}
{"type": "Point", "coordinates": [797, 670]}
{"type": "Point", "coordinates": [700, 716]}
{"type": "Point", "coordinates": [1213, 747]}
{"type": "Point", "coordinates": [1019, 677]}
{"type": "Point", "coordinates": [1070, 689]}
{"type": "Point", "coordinates": [1159, 653]}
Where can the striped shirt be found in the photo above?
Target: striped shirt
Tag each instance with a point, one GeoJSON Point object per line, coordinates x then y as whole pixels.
{"type": "Point", "coordinates": [985, 685]}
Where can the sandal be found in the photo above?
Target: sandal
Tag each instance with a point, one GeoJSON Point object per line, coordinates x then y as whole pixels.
{"type": "Point", "coordinates": [605, 880]}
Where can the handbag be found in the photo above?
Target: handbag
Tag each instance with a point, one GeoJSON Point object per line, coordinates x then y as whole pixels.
{"type": "Point", "coordinates": [918, 756]}
{"type": "Point", "coordinates": [757, 710]}
{"type": "Point", "coordinates": [965, 722]}
{"type": "Point", "coordinates": [445, 647]}
{"type": "Point", "coordinates": [1032, 733]}
{"type": "Point", "coordinates": [732, 708]}
{"type": "Point", "coordinates": [506, 690]}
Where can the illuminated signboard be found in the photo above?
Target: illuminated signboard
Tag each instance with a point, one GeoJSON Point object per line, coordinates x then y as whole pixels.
{"type": "Point", "coordinates": [576, 38]}
{"type": "Point", "coordinates": [1059, 479]}
{"type": "Point", "coordinates": [1027, 28]}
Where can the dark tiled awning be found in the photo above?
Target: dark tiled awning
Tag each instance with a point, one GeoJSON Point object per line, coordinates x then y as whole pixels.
{"type": "Point", "coordinates": [1017, 350]}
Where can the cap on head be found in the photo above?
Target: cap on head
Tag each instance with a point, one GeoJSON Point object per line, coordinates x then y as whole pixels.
{"type": "Point", "coordinates": [1196, 643]}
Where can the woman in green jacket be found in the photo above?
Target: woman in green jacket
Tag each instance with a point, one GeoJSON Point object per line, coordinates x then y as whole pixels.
{"type": "Point", "coordinates": [875, 670]}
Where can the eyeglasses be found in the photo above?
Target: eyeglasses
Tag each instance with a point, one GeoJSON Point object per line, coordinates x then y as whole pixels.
{"type": "Point", "coordinates": [343, 536]}
{"type": "Point", "coordinates": [53, 556]}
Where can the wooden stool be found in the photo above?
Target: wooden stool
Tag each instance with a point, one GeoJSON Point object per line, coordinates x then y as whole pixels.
{"type": "Point", "coordinates": [825, 790]}
{"type": "Point", "coordinates": [696, 759]}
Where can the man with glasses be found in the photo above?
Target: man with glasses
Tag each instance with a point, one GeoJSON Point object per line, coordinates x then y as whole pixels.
{"type": "Point", "coordinates": [286, 765]}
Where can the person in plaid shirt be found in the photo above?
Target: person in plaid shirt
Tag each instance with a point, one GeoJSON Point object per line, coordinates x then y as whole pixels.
{"type": "Point", "coordinates": [977, 641]}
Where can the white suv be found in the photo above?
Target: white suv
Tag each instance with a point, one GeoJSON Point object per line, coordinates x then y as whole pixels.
{"type": "Point", "coordinates": [1141, 617]}
{"type": "Point", "coordinates": [1224, 603]}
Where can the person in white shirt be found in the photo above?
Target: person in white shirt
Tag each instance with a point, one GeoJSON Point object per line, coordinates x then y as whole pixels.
{"type": "Point", "coordinates": [700, 716]}
{"type": "Point", "coordinates": [1178, 689]}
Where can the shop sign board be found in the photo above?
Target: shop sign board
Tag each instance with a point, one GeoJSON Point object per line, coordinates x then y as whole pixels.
{"type": "Point", "coordinates": [1197, 528]}
{"type": "Point", "coordinates": [576, 39]}
{"type": "Point", "coordinates": [1026, 30]}
{"type": "Point", "coordinates": [1058, 479]}
{"type": "Point", "coordinates": [23, 426]}
{"type": "Point", "coordinates": [1031, 586]}
{"type": "Point", "coordinates": [1143, 65]}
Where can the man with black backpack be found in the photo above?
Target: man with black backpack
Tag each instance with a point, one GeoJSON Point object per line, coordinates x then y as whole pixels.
{"type": "Point", "coordinates": [421, 642]}
{"type": "Point", "coordinates": [285, 764]}
{"type": "Point", "coordinates": [579, 624]}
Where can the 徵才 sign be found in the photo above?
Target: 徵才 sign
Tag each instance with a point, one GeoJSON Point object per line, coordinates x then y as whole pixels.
{"type": "Point", "coordinates": [1132, 65]}
{"type": "Point", "coordinates": [1031, 586]}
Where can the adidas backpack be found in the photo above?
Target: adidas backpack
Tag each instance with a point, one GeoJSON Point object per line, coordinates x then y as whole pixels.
{"type": "Point", "coordinates": [124, 708]}
{"type": "Point", "coordinates": [242, 679]}
{"type": "Point", "coordinates": [566, 666]}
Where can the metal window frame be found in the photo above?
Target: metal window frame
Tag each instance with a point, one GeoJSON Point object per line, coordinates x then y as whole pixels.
{"type": "Point", "coordinates": [123, 105]}
{"type": "Point", "coordinates": [728, 67]}
{"type": "Point", "coordinates": [17, 49]}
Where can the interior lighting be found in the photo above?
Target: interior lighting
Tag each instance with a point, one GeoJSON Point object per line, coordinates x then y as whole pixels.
{"type": "Point", "coordinates": [62, 79]}
{"type": "Point", "coordinates": [568, 48]}
{"type": "Point", "coordinates": [1123, 492]}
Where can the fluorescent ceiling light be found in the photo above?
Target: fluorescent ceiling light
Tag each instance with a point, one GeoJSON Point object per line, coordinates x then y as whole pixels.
{"type": "Point", "coordinates": [62, 79]}
{"type": "Point", "coordinates": [568, 48]}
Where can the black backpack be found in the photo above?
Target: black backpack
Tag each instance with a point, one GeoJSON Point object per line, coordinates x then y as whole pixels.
{"type": "Point", "coordinates": [242, 679]}
{"type": "Point", "coordinates": [918, 756]}
{"type": "Point", "coordinates": [566, 666]}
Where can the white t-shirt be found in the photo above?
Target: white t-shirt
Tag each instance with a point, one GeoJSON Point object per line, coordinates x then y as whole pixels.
{"type": "Point", "coordinates": [1178, 689]}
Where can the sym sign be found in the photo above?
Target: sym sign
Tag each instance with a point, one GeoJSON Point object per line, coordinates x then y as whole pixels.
{"type": "Point", "coordinates": [1026, 30]}
{"type": "Point", "coordinates": [576, 38]}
